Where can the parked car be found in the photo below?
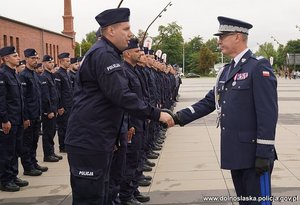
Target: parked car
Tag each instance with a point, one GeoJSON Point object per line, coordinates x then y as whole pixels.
{"type": "Point", "coordinates": [192, 75]}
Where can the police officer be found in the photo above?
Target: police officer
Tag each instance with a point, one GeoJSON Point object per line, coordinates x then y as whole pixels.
{"type": "Point", "coordinates": [74, 65]}
{"type": "Point", "coordinates": [245, 87]}
{"type": "Point", "coordinates": [32, 113]}
{"type": "Point", "coordinates": [99, 100]}
{"type": "Point", "coordinates": [11, 117]}
{"type": "Point", "coordinates": [49, 110]}
{"type": "Point", "coordinates": [134, 155]}
{"type": "Point", "coordinates": [64, 88]}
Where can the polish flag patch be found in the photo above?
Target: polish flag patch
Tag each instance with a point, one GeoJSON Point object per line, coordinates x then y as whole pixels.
{"type": "Point", "coordinates": [266, 73]}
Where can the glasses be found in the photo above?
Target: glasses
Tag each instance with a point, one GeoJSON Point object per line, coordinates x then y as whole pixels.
{"type": "Point", "coordinates": [221, 37]}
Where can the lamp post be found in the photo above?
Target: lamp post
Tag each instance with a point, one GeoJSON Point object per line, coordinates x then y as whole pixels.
{"type": "Point", "coordinates": [120, 3]}
{"type": "Point", "coordinates": [298, 27]}
{"type": "Point", "coordinates": [159, 15]}
{"type": "Point", "coordinates": [276, 40]}
{"type": "Point", "coordinates": [183, 59]}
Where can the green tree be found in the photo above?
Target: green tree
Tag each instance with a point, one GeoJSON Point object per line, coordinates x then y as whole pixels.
{"type": "Point", "coordinates": [191, 53]}
{"type": "Point", "coordinates": [207, 60]}
{"type": "Point", "coordinates": [170, 41]}
{"type": "Point", "coordinates": [86, 43]}
{"type": "Point", "coordinates": [266, 50]}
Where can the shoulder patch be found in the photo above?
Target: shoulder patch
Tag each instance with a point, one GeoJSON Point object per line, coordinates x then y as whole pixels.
{"type": "Point", "coordinates": [57, 79]}
{"type": "Point", "coordinates": [24, 84]}
{"type": "Point", "coordinates": [113, 66]}
{"type": "Point", "coordinates": [259, 57]}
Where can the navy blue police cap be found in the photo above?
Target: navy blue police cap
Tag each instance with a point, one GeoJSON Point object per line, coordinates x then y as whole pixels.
{"type": "Point", "coordinates": [146, 50]}
{"type": "Point", "coordinates": [47, 58]}
{"type": "Point", "coordinates": [80, 58]}
{"type": "Point", "coordinates": [38, 65]}
{"type": "Point", "coordinates": [30, 52]}
{"type": "Point", "coordinates": [229, 25]}
{"type": "Point", "coordinates": [7, 51]}
{"type": "Point", "coordinates": [74, 60]}
{"type": "Point", "coordinates": [22, 62]}
{"type": "Point", "coordinates": [133, 43]}
{"type": "Point", "coordinates": [63, 55]}
{"type": "Point", "coordinates": [151, 52]}
{"type": "Point", "coordinates": [113, 16]}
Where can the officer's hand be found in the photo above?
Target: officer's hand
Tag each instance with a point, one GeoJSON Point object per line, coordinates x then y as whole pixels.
{"type": "Point", "coordinates": [130, 134]}
{"type": "Point", "coordinates": [262, 165]}
{"type": "Point", "coordinates": [51, 115]}
{"type": "Point", "coordinates": [166, 116]}
{"type": "Point", "coordinates": [61, 111]}
{"type": "Point", "coordinates": [26, 124]}
{"type": "Point", "coordinates": [6, 127]}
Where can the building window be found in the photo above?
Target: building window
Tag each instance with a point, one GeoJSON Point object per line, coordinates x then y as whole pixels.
{"type": "Point", "coordinates": [18, 45]}
{"type": "Point", "coordinates": [50, 45]}
{"type": "Point", "coordinates": [5, 40]}
{"type": "Point", "coordinates": [54, 54]}
{"type": "Point", "coordinates": [11, 39]}
{"type": "Point", "coordinates": [57, 51]}
{"type": "Point", "coordinates": [47, 48]}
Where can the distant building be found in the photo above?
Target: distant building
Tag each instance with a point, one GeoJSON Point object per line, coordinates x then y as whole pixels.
{"type": "Point", "coordinates": [23, 35]}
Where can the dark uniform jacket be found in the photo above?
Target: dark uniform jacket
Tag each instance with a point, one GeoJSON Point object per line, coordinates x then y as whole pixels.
{"type": "Point", "coordinates": [135, 86]}
{"type": "Point", "coordinates": [99, 99]}
{"type": "Point", "coordinates": [249, 112]}
{"type": "Point", "coordinates": [11, 99]}
{"type": "Point", "coordinates": [49, 93]}
{"type": "Point", "coordinates": [64, 89]}
{"type": "Point", "coordinates": [72, 76]}
{"type": "Point", "coordinates": [31, 93]}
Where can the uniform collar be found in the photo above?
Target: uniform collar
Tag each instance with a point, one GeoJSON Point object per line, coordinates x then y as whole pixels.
{"type": "Point", "coordinates": [239, 56]}
{"type": "Point", "coordinates": [9, 69]}
{"type": "Point", "coordinates": [111, 45]}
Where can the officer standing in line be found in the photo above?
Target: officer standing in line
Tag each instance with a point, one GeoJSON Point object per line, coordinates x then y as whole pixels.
{"type": "Point", "coordinates": [72, 71]}
{"type": "Point", "coordinates": [134, 153]}
{"type": "Point", "coordinates": [49, 110]}
{"type": "Point", "coordinates": [32, 113]}
{"type": "Point", "coordinates": [101, 94]}
{"type": "Point", "coordinates": [11, 117]}
{"type": "Point", "coordinates": [64, 88]}
{"type": "Point", "coordinates": [245, 87]}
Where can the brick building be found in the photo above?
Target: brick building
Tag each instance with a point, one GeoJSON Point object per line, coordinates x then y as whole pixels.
{"type": "Point", "coordinates": [23, 35]}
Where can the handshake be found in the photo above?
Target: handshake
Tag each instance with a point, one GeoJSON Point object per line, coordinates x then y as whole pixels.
{"type": "Point", "coordinates": [168, 118]}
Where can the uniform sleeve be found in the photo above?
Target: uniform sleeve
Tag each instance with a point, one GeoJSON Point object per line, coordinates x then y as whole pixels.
{"type": "Point", "coordinates": [59, 89]}
{"type": "Point", "coordinates": [3, 103]}
{"type": "Point", "coordinates": [115, 82]}
{"type": "Point", "coordinates": [46, 103]}
{"type": "Point", "coordinates": [266, 105]}
{"type": "Point", "coordinates": [197, 110]}
{"type": "Point", "coordinates": [24, 83]}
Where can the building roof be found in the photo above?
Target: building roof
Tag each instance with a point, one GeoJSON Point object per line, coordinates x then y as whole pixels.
{"type": "Point", "coordinates": [29, 25]}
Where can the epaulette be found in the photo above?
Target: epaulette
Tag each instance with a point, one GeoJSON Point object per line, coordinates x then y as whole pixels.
{"type": "Point", "coordinates": [257, 57]}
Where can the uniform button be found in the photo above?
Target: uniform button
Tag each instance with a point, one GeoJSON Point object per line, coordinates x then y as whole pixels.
{"type": "Point", "coordinates": [223, 115]}
{"type": "Point", "coordinates": [253, 140]}
{"type": "Point", "coordinates": [226, 89]}
{"type": "Point", "coordinates": [239, 87]}
{"type": "Point", "coordinates": [223, 128]}
{"type": "Point", "coordinates": [224, 102]}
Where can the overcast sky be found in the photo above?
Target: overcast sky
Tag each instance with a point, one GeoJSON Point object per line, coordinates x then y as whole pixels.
{"type": "Point", "coordinates": [276, 18]}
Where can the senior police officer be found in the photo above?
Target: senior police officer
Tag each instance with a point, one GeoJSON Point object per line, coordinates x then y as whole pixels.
{"type": "Point", "coordinates": [245, 87]}
{"type": "Point", "coordinates": [32, 113]}
{"type": "Point", "coordinates": [11, 117]}
{"type": "Point", "coordinates": [101, 95]}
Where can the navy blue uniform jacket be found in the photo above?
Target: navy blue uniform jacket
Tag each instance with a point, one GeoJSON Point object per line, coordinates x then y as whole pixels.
{"type": "Point", "coordinates": [64, 88]}
{"type": "Point", "coordinates": [249, 112]}
{"type": "Point", "coordinates": [49, 93]}
{"type": "Point", "coordinates": [11, 99]}
{"type": "Point", "coordinates": [101, 94]}
{"type": "Point", "coordinates": [31, 93]}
